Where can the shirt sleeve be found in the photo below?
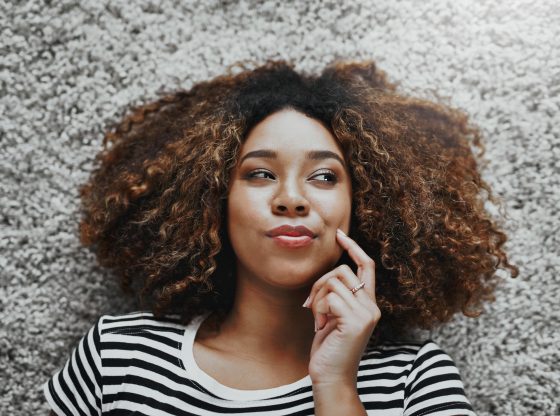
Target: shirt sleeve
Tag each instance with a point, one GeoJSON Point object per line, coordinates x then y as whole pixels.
{"type": "Point", "coordinates": [434, 386]}
{"type": "Point", "coordinates": [75, 389]}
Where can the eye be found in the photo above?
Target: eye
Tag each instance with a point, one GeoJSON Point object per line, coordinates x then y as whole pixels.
{"type": "Point", "coordinates": [257, 172]}
{"type": "Point", "coordinates": [328, 174]}
{"type": "Point", "coordinates": [331, 176]}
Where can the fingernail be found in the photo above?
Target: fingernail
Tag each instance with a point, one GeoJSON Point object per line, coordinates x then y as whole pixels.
{"type": "Point", "coordinates": [340, 231]}
{"type": "Point", "coordinates": [306, 303]}
{"type": "Point", "coordinates": [316, 326]}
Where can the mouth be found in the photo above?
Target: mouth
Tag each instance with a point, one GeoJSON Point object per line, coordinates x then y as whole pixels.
{"type": "Point", "coordinates": [293, 242]}
{"type": "Point", "coordinates": [291, 231]}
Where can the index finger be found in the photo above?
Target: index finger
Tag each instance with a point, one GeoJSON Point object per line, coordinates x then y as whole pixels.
{"type": "Point", "coordinates": [366, 265]}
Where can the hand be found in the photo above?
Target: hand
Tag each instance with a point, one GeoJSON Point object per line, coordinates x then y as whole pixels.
{"type": "Point", "coordinates": [345, 321]}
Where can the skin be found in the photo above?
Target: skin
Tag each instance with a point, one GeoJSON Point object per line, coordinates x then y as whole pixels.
{"type": "Point", "coordinates": [267, 322]}
{"type": "Point", "coordinates": [268, 327]}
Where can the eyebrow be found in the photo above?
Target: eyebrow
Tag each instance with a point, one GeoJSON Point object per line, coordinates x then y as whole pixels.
{"type": "Point", "coordinates": [311, 155]}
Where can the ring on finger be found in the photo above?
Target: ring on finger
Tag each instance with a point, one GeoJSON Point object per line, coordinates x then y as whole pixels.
{"type": "Point", "coordinates": [355, 289]}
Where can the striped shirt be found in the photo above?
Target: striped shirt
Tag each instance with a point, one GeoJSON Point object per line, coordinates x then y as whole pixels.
{"type": "Point", "coordinates": [136, 364]}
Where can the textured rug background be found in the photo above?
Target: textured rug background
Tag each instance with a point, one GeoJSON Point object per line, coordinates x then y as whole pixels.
{"type": "Point", "coordinates": [70, 67]}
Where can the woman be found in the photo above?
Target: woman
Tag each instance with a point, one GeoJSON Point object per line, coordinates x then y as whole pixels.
{"type": "Point", "coordinates": [236, 202]}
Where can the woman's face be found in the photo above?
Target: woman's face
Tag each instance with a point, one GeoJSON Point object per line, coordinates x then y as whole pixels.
{"type": "Point", "coordinates": [290, 171]}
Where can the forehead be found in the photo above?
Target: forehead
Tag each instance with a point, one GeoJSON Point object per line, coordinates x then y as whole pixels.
{"type": "Point", "coordinates": [290, 133]}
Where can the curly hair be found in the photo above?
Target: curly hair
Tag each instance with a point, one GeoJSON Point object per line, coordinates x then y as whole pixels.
{"type": "Point", "coordinates": [154, 208]}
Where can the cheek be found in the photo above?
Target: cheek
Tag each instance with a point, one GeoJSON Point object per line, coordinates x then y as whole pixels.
{"type": "Point", "coordinates": [335, 209]}
{"type": "Point", "coordinates": [244, 211]}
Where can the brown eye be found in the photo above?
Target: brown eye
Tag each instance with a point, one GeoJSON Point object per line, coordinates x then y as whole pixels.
{"type": "Point", "coordinates": [328, 174]}
{"type": "Point", "coordinates": [257, 172]}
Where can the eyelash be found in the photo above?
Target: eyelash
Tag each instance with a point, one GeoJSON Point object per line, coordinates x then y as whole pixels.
{"type": "Point", "coordinates": [325, 172]}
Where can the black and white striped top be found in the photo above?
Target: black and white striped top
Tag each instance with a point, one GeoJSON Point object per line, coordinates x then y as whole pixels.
{"type": "Point", "coordinates": [135, 364]}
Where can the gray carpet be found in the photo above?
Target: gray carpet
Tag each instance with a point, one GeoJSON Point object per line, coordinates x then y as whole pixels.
{"type": "Point", "coordinates": [69, 68]}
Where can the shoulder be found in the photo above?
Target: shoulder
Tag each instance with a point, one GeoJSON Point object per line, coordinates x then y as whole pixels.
{"type": "Point", "coordinates": [428, 379]}
{"type": "Point", "coordinates": [431, 355]}
{"type": "Point", "coordinates": [409, 349]}
{"type": "Point", "coordinates": [138, 326]}
{"type": "Point", "coordinates": [390, 360]}
{"type": "Point", "coordinates": [432, 365]}
{"type": "Point", "coordinates": [399, 350]}
{"type": "Point", "coordinates": [138, 320]}
{"type": "Point", "coordinates": [434, 385]}
{"type": "Point", "coordinates": [414, 357]}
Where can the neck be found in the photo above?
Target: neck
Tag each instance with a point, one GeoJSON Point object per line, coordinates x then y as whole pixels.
{"type": "Point", "coordinates": [269, 323]}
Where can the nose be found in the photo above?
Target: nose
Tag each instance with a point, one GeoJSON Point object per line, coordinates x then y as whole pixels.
{"type": "Point", "coordinates": [290, 200]}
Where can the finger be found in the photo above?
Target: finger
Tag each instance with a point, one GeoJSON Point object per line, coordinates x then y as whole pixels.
{"type": "Point", "coordinates": [366, 265]}
{"type": "Point", "coordinates": [342, 272]}
{"type": "Point", "coordinates": [367, 309]}
{"type": "Point", "coordinates": [342, 283]}
{"type": "Point", "coordinates": [332, 304]}
{"type": "Point", "coordinates": [332, 285]}
{"type": "Point", "coordinates": [317, 286]}
{"type": "Point", "coordinates": [351, 281]}
{"type": "Point", "coordinates": [324, 332]}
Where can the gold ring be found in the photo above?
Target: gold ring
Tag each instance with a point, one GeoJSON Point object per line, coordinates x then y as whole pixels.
{"type": "Point", "coordinates": [361, 285]}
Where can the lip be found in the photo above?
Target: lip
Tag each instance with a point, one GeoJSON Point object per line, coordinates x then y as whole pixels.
{"type": "Point", "coordinates": [291, 231]}
{"type": "Point", "coordinates": [293, 242]}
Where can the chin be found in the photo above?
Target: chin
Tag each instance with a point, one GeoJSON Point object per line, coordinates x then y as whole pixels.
{"type": "Point", "coordinates": [293, 276]}
{"type": "Point", "coordinates": [292, 284]}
